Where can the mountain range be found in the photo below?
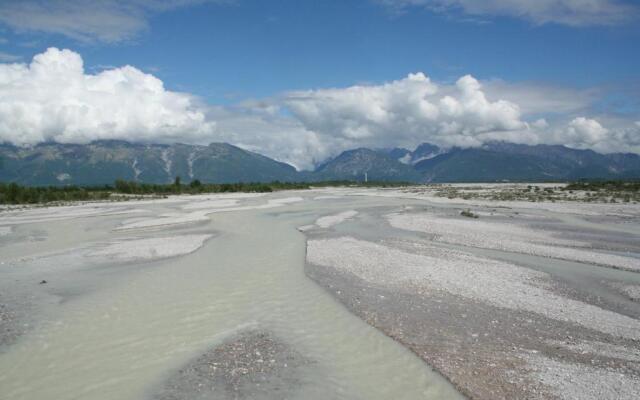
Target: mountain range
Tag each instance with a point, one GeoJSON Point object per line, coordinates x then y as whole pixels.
{"type": "Point", "coordinates": [102, 162]}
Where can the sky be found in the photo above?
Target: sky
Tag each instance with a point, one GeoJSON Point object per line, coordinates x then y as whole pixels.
{"type": "Point", "coordinates": [302, 80]}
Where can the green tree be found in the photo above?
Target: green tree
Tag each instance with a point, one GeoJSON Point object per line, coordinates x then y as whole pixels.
{"type": "Point", "coordinates": [13, 191]}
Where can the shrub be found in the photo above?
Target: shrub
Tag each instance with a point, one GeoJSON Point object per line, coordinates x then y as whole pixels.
{"type": "Point", "coordinates": [467, 213]}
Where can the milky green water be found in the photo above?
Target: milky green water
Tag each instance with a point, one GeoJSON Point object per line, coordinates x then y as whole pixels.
{"type": "Point", "coordinates": [121, 340]}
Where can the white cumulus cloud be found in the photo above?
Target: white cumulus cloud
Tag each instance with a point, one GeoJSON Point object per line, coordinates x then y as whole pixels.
{"type": "Point", "coordinates": [53, 99]}
{"type": "Point", "coordinates": [409, 110]}
{"type": "Point", "coordinates": [268, 133]}
{"type": "Point", "coordinates": [538, 97]}
{"type": "Point", "coordinates": [589, 133]}
{"type": "Point", "coordinates": [585, 132]}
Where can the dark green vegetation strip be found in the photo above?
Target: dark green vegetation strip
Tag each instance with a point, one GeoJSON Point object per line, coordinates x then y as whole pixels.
{"type": "Point", "coordinates": [12, 193]}
{"type": "Point", "coordinates": [626, 186]}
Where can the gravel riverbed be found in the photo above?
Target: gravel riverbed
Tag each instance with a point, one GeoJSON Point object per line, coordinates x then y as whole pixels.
{"type": "Point", "coordinates": [495, 329]}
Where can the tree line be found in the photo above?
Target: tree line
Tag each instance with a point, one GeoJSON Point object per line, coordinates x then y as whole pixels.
{"type": "Point", "coordinates": [13, 193]}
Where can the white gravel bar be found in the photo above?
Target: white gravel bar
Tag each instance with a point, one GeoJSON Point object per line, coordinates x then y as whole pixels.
{"type": "Point", "coordinates": [286, 200]}
{"type": "Point", "coordinates": [203, 204]}
{"type": "Point", "coordinates": [150, 248]}
{"type": "Point", "coordinates": [331, 220]}
{"type": "Point", "coordinates": [46, 214]}
{"type": "Point", "coordinates": [561, 207]}
{"type": "Point", "coordinates": [497, 283]}
{"type": "Point", "coordinates": [165, 220]}
{"type": "Point", "coordinates": [180, 218]}
{"type": "Point", "coordinates": [507, 237]}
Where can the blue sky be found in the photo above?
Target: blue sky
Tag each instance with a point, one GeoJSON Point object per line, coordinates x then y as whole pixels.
{"type": "Point", "coordinates": [227, 54]}
{"type": "Point", "coordinates": [258, 48]}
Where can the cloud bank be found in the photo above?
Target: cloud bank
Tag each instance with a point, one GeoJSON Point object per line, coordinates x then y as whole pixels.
{"type": "Point", "coordinates": [54, 99]}
{"type": "Point", "coordinates": [414, 110]}
{"type": "Point", "coordinates": [577, 13]}
{"type": "Point", "coordinates": [406, 110]}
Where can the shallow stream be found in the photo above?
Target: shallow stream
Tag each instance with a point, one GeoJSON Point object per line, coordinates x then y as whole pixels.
{"type": "Point", "coordinates": [141, 321]}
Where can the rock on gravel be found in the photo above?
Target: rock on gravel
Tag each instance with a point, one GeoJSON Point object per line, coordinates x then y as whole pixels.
{"type": "Point", "coordinates": [631, 291]}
